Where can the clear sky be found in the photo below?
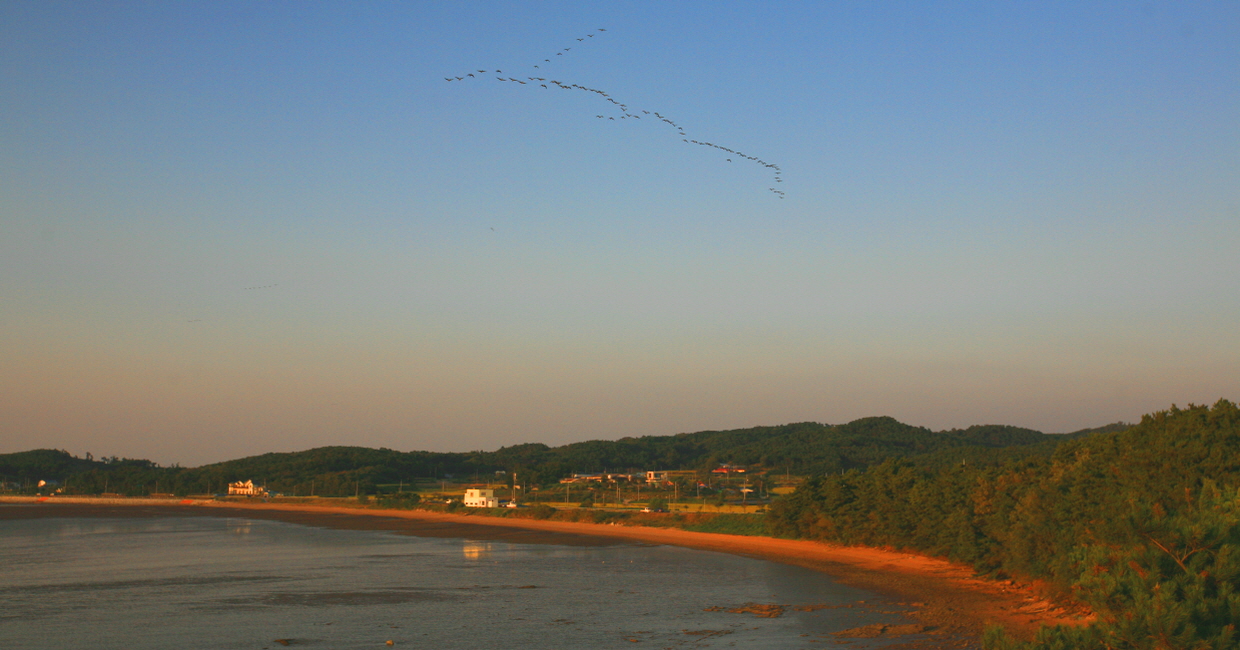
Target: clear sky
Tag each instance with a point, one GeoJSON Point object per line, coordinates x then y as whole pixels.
{"type": "Point", "coordinates": [228, 228]}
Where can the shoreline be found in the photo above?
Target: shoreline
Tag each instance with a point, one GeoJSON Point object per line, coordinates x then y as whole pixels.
{"type": "Point", "coordinates": [945, 596]}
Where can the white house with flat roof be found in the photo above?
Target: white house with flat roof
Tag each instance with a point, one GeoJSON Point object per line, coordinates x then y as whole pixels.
{"type": "Point", "coordinates": [478, 498]}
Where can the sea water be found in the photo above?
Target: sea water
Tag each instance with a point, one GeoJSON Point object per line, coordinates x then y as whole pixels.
{"type": "Point", "coordinates": [218, 583]}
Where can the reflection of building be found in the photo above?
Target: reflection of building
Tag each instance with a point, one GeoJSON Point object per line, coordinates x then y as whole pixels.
{"type": "Point", "coordinates": [246, 489]}
{"type": "Point", "coordinates": [476, 550]}
{"type": "Point", "coordinates": [481, 499]}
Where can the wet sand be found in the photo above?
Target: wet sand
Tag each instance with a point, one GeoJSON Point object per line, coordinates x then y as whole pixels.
{"type": "Point", "coordinates": [947, 598]}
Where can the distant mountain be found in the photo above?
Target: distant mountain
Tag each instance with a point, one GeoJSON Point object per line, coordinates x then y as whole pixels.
{"type": "Point", "coordinates": [805, 448]}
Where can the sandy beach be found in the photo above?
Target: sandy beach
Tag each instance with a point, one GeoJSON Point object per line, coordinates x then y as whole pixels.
{"type": "Point", "coordinates": [947, 598]}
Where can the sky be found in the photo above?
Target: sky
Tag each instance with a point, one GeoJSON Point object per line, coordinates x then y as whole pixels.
{"type": "Point", "coordinates": [230, 228]}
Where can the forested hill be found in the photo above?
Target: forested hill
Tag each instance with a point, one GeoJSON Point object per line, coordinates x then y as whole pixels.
{"type": "Point", "coordinates": [1143, 525]}
{"type": "Point", "coordinates": [803, 449]}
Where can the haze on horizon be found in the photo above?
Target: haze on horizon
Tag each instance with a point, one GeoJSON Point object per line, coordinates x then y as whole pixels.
{"type": "Point", "coordinates": [228, 228]}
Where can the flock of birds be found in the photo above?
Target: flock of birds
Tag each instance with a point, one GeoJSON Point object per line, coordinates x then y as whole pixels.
{"type": "Point", "coordinates": [625, 113]}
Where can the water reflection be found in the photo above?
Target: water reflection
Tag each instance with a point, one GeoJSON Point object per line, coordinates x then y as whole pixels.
{"type": "Point", "coordinates": [477, 550]}
{"type": "Point", "coordinates": [206, 583]}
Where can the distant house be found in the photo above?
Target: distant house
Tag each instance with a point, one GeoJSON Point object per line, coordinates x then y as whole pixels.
{"type": "Point", "coordinates": [50, 485]}
{"type": "Point", "coordinates": [480, 498]}
{"type": "Point", "coordinates": [583, 478]}
{"type": "Point", "coordinates": [665, 476]}
{"type": "Point", "coordinates": [246, 488]}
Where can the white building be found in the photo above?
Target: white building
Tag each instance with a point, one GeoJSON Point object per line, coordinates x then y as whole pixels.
{"type": "Point", "coordinates": [481, 499]}
{"type": "Point", "coordinates": [246, 488]}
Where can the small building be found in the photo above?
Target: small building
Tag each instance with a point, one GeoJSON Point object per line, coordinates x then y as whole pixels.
{"type": "Point", "coordinates": [480, 498]}
{"type": "Point", "coordinates": [667, 475]}
{"type": "Point", "coordinates": [246, 488]}
{"type": "Point", "coordinates": [583, 478]}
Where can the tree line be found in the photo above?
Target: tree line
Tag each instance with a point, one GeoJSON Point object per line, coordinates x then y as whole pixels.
{"type": "Point", "coordinates": [1141, 525]}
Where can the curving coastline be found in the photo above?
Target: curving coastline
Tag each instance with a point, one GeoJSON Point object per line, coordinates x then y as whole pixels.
{"type": "Point", "coordinates": [946, 597]}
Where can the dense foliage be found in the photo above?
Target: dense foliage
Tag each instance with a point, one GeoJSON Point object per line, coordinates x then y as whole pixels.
{"type": "Point", "coordinates": [1141, 525]}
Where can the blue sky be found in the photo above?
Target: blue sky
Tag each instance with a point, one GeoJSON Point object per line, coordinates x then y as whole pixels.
{"type": "Point", "coordinates": [232, 228]}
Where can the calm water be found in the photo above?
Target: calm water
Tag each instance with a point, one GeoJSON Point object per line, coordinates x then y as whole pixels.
{"type": "Point", "coordinates": [206, 582]}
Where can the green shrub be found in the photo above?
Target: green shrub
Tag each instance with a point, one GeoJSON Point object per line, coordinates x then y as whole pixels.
{"type": "Point", "coordinates": [542, 511]}
{"type": "Point", "coordinates": [730, 525]}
